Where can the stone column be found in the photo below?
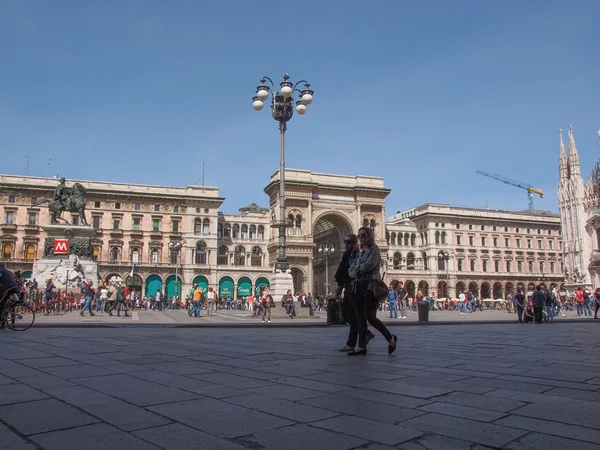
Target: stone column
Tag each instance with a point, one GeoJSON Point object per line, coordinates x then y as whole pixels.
{"type": "Point", "coordinates": [235, 291]}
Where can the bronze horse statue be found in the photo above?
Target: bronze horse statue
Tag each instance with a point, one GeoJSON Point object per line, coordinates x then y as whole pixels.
{"type": "Point", "coordinates": [68, 199]}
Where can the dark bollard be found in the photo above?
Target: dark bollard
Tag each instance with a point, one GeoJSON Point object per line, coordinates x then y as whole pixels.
{"type": "Point", "coordinates": [423, 308]}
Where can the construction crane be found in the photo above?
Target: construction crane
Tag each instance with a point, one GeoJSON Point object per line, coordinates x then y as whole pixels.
{"type": "Point", "coordinates": [529, 188]}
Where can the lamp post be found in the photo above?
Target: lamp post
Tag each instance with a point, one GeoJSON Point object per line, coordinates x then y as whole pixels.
{"type": "Point", "coordinates": [447, 255]}
{"type": "Point", "coordinates": [282, 110]}
{"type": "Point", "coordinates": [175, 247]}
{"type": "Point", "coordinates": [326, 250]}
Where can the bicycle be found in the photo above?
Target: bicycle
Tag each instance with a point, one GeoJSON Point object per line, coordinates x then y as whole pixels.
{"type": "Point", "coordinates": [16, 314]}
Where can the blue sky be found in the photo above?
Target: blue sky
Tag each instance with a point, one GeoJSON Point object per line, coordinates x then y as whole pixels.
{"type": "Point", "coordinates": [420, 93]}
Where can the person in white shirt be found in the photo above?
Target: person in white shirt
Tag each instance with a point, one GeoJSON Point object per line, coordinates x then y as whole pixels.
{"type": "Point", "coordinates": [210, 301]}
{"type": "Point", "coordinates": [157, 300]}
{"type": "Point", "coordinates": [461, 302]}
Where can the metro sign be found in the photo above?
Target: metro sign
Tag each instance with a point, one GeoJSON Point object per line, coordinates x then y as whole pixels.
{"type": "Point", "coordinates": [61, 246]}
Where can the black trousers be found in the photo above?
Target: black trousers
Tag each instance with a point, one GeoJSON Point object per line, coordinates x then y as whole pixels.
{"type": "Point", "coordinates": [597, 308]}
{"type": "Point", "coordinates": [350, 318]}
{"type": "Point", "coordinates": [538, 313]}
{"type": "Point", "coordinates": [365, 308]}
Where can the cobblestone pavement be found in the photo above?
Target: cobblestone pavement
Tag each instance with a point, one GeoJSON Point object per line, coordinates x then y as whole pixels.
{"type": "Point", "coordinates": [446, 387]}
{"type": "Point", "coordinates": [180, 317]}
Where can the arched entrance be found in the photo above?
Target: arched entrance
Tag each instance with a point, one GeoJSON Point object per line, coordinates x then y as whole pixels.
{"type": "Point", "coordinates": [114, 278]}
{"type": "Point", "coordinates": [134, 283]}
{"type": "Point", "coordinates": [509, 288]}
{"type": "Point", "coordinates": [460, 286]}
{"type": "Point", "coordinates": [226, 287]}
{"type": "Point", "coordinates": [423, 287]}
{"type": "Point", "coordinates": [442, 289]}
{"type": "Point", "coordinates": [530, 288]}
{"type": "Point", "coordinates": [173, 286]}
{"type": "Point", "coordinates": [410, 288]}
{"type": "Point", "coordinates": [485, 290]}
{"type": "Point", "coordinates": [244, 287]}
{"type": "Point", "coordinates": [153, 284]}
{"type": "Point", "coordinates": [497, 294]}
{"type": "Point", "coordinates": [201, 281]}
{"type": "Point", "coordinates": [298, 279]}
{"type": "Point", "coordinates": [26, 274]}
{"type": "Point", "coordinates": [262, 281]}
{"type": "Point", "coordinates": [329, 230]}
{"type": "Point", "coordinates": [474, 289]}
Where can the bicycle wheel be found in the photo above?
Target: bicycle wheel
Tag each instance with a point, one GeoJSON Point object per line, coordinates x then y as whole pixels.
{"type": "Point", "coordinates": [19, 317]}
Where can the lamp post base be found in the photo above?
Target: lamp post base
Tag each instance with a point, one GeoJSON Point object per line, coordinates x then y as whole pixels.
{"type": "Point", "coordinates": [281, 282]}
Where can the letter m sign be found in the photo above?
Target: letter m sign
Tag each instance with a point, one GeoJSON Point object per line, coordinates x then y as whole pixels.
{"type": "Point", "coordinates": [61, 246]}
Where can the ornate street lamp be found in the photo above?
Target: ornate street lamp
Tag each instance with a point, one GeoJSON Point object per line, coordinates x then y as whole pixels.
{"type": "Point", "coordinates": [175, 247]}
{"type": "Point", "coordinates": [326, 250]}
{"type": "Point", "coordinates": [282, 110]}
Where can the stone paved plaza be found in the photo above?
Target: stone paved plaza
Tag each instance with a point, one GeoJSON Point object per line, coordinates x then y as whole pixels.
{"type": "Point", "coordinates": [180, 318]}
{"type": "Point", "coordinates": [446, 387]}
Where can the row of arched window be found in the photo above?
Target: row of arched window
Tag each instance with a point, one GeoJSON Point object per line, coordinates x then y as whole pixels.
{"type": "Point", "coordinates": [407, 239]}
{"type": "Point", "coordinates": [240, 256]}
{"type": "Point", "coordinates": [235, 231]}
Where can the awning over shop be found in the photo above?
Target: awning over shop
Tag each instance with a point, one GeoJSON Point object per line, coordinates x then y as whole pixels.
{"type": "Point", "coordinates": [225, 287]}
{"type": "Point", "coordinates": [261, 282]}
{"type": "Point", "coordinates": [244, 287]}
{"type": "Point", "coordinates": [171, 286]}
{"type": "Point", "coordinates": [202, 282]}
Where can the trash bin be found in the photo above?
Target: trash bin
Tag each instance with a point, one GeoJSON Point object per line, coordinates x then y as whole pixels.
{"type": "Point", "coordinates": [423, 308]}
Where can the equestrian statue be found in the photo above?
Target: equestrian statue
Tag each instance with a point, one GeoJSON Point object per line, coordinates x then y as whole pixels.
{"type": "Point", "coordinates": [71, 199]}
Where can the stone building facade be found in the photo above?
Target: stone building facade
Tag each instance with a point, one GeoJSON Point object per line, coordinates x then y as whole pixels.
{"type": "Point", "coordinates": [134, 225]}
{"type": "Point", "coordinates": [579, 205]}
{"type": "Point", "coordinates": [443, 249]}
{"type": "Point", "coordinates": [235, 253]}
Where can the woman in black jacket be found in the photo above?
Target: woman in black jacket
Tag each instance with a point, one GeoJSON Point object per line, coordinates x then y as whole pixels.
{"type": "Point", "coordinates": [363, 270]}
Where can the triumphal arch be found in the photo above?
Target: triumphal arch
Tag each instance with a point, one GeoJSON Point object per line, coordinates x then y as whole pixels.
{"type": "Point", "coordinates": [321, 209]}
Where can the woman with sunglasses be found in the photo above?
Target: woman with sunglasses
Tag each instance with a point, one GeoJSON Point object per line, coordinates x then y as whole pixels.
{"type": "Point", "coordinates": [364, 269]}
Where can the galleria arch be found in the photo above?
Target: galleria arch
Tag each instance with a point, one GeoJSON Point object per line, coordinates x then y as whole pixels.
{"type": "Point", "coordinates": [321, 209]}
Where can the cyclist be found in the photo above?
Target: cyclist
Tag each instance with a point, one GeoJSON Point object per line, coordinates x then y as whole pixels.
{"type": "Point", "coordinates": [7, 281]}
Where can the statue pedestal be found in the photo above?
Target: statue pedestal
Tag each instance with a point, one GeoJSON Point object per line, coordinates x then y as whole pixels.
{"type": "Point", "coordinates": [281, 282]}
{"type": "Point", "coordinates": [67, 270]}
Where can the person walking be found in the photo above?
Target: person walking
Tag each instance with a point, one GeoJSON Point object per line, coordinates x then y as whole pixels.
{"type": "Point", "coordinates": [402, 298]}
{"type": "Point", "coordinates": [597, 300]}
{"type": "Point", "coordinates": [393, 299]}
{"type": "Point", "coordinates": [579, 297]}
{"type": "Point", "coordinates": [520, 305]}
{"type": "Point", "coordinates": [363, 271]}
{"type": "Point", "coordinates": [550, 304]}
{"type": "Point", "coordinates": [539, 302]}
{"type": "Point", "coordinates": [266, 299]}
{"type": "Point", "coordinates": [88, 295]}
{"type": "Point", "coordinates": [344, 289]}
{"type": "Point", "coordinates": [120, 298]}
{"type": "Point", "coordinates": [210, 301]}
{"type": "Point", "coordinates": [196, 299]}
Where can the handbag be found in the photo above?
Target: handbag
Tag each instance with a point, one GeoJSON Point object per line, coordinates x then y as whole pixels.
{"type": "Point", "coordinates": [379, 289]}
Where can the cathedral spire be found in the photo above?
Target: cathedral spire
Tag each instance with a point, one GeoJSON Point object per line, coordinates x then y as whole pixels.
{"type": "Point", "coordinates": [573, 155]}
{"type": "Point", "coordinates": [563, 165]}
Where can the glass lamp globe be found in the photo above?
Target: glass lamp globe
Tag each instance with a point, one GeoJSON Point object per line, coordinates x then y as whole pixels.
{"type": "Point", "coordinates": [307, 98]}
{"type": "Point", "coordinates": [301, 108]}
{"type": "Point", "coordinates": [262, 94]}
{"type": "Point", "coordinates": [257, 104]}
{"type": "Point", "coordinates": [286, 91]}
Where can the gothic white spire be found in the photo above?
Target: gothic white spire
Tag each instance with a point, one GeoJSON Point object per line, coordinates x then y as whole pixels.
{"type": "Point", "coordinates": [573, 155]}
{"type": "Point", "coordinates": [562, 159]}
